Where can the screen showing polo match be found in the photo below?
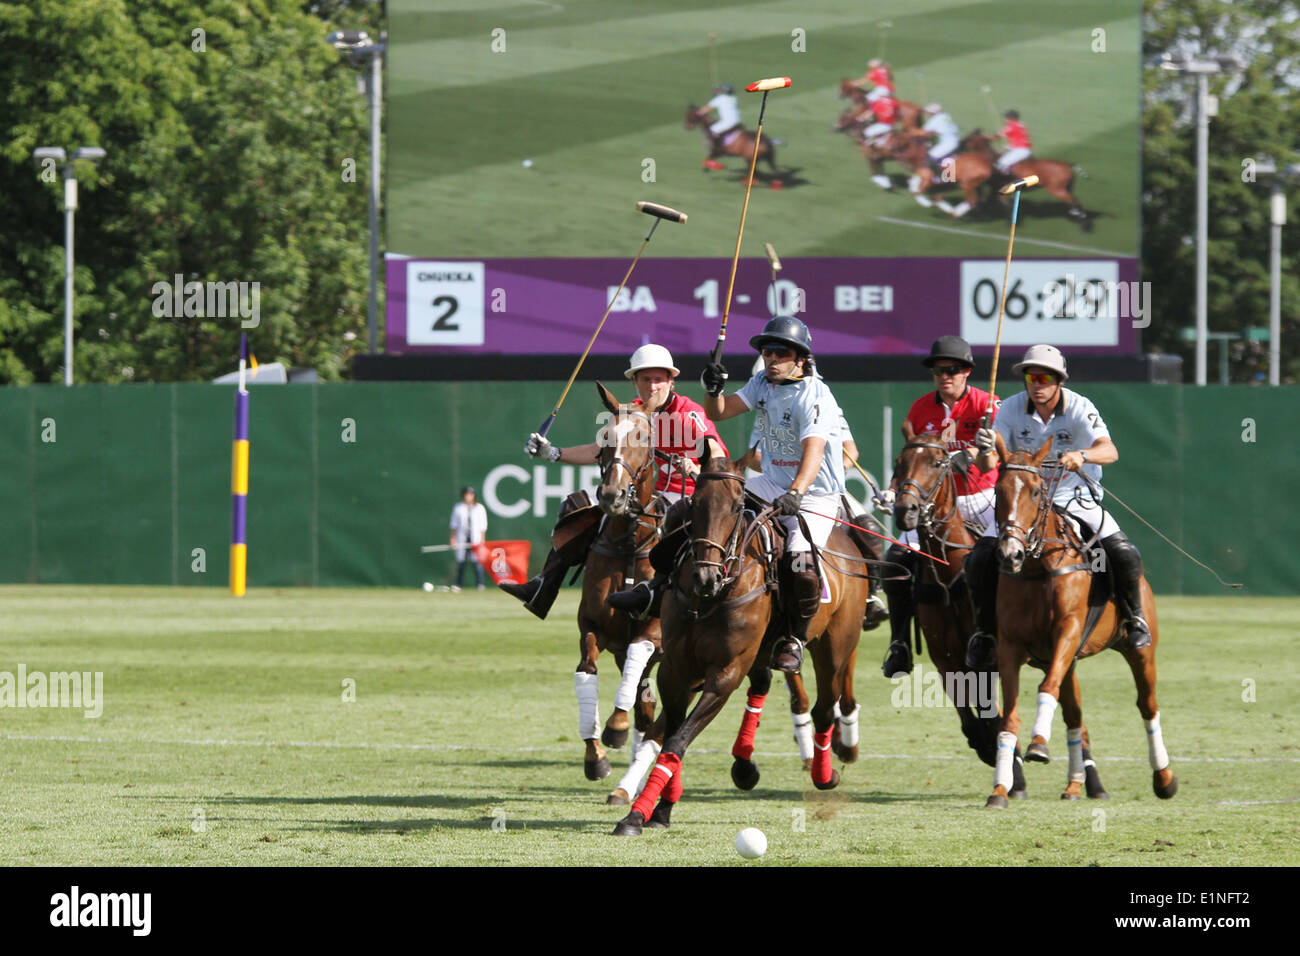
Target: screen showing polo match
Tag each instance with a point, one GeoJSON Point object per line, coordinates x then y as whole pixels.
{"type": "Point", "coordinates": [522, 136]}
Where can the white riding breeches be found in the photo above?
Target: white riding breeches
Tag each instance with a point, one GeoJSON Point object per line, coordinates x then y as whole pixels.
{"type": "Point", "coordinates": [819, 526]}
{"type": "Point", "coordinates": [1011, 157]}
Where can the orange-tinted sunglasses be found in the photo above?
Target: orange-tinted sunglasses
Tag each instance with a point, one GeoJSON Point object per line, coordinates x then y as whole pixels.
{"type": "Point", "coordinates": [1039, 378]}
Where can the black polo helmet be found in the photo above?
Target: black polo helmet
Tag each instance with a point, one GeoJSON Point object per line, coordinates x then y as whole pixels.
{"type": "Point", "coordinates": [467, 490]}
{"type": "Point", "coordinates": [949, 347]}
{"type": "Point", "coordinates": [1012, 114]}
{"type": "Point", "coordinates": [784, 330]}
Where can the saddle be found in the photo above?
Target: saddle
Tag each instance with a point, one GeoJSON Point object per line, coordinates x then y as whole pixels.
{"type": "Point", "coordinates": [578, 519]}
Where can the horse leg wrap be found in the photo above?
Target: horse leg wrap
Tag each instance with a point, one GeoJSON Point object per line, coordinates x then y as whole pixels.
{"type": "Point", "coordinates": [803, 735]}
{"type": "Point", "coordinates": [1156, 744]}
{"type": "Point", "coordinates": [1046, 711]}
{"type": "Point", "coordinates": [1002, 776]}
{"type": "Point", "coordinates": [667, 768]}
{"type": "Point", "coordinates": [585, 686]}
{"type": "Point", "coordinates": [637, 656]}
{"type": "Point", "coordinates": [643, 757]}
{"type": "Point", "coordinates": [821, 768]}
{"type": "Point", "coordinates": [849, 728]}
{"type": "Point", "coordinates": [1074, 742]}
{"type": "Point", "coordinates": [744, 745]}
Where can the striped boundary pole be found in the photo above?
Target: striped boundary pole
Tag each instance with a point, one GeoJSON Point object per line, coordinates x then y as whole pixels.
{"type": "Point", "coordinates": [239, 482]}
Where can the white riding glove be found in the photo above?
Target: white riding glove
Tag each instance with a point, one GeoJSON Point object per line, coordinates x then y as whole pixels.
{"type": "Point", "coordinates": [885, 500]}
{"type": "Point", "coordinates": [985, 440]}
{"type": "Point", "coordinates": [539, 447]}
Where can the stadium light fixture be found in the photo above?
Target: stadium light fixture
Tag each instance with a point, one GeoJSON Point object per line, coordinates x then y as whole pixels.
{"type": "Point", "coordinates": [57, 154]}
{"type": "Point", "coordinates": [357, 47]}
{"type": "Point", "coordinates": [1206, 106]}
{"type": "Point", "coordinates": [1265, 166]}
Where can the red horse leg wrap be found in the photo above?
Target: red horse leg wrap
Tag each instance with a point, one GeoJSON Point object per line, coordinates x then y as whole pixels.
{"type": "Point", "coordinates": [666, 776]}
{"type": "Point", "coordinates": [744, 745]}
{"type": "Point", "coordinates": [821, 767]}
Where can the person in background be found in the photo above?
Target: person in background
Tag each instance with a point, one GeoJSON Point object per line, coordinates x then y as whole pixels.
{"type": "Point", "coordinates": [468, 530]}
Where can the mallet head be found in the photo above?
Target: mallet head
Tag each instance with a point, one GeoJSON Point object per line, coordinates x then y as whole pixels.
{"type": "Point", "coordinates": [1025, 183]}
{"type": "Point", "coordinates": [662, 212]}
{"type": "Point", "coordinates": [771, 83]}
{"type": "Point", "coordinates": [772, 257]}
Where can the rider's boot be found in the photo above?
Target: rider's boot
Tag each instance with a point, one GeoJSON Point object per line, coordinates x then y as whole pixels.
{"type": "Point", "coordinates": [902, 607]}
{"type": "Point", "coordinates": [644, 598]}
{"type": "Point", "coordinates": [1126, 564]}
{"type": "Point", "coordinates": [982, 585]}
{"type": "Point", "coordinates": [539, 592]}
{"type": "Point", "coordinates": [802, 598]}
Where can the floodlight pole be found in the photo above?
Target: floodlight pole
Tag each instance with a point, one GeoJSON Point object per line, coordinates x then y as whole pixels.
{"type": "Point", "coordinates": [376, 102]}
{"type": "Point", "coordinates": [69, 212]}
{"type": "Point", "coordinates": [1277, 218]}
{"type": "Point", "coordinates": [1202, 221]}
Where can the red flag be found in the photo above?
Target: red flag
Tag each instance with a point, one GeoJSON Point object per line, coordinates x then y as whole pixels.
{"type": "Point", "coordinates": [505, 561]}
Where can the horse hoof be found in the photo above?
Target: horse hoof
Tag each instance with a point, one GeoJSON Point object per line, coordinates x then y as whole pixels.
{"type": "Point", "coordinates": [597, 769]}
{"type": "Point", "coordinates": [630, 825]}
{"type": "Point", "coordinates": [807, 764]}
{"type": "Point", "coordinates": [660, 819]}
{"type": "Point", "coordinates": [744, 773]}
{"type": "Point", "coordinates": [846, 754]}
{"type": "Point", "coordinates": [1098, 795]}
{"type": "Point", "coordinates": [1164, 790]}
{"type": "Point", "coordinates": [1018, 795]}
{"type": "Point", "coordinates": [997, 802]}
{"type": "Point", "coordinates": [618, 798]}
{"type": "Point", "coordinates": [1037, 753]}
{"type": "Point", "coordinates": [1069, 796]}
{"type": "Point", "coordinates": [830, 784]}
{"type": "Point", "coordinates": [613, 739]}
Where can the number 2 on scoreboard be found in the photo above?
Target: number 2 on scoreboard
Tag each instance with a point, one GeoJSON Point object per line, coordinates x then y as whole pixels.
{"type": "Point", "coordinates": [441, 323]}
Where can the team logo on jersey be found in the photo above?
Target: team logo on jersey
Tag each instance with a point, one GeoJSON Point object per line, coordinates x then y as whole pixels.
{"type": "Point", "coordinates": [1064, 436]}
{"type": "Point", "coordinates": [1023, 434]}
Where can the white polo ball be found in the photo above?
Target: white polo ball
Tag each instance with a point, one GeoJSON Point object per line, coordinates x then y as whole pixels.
{"type": "Point", "coordinates": [526, 163]}
{"type": "Point", "coordinates": [751, 843]}
{"type": "Point", "coordinates": [428, 585]}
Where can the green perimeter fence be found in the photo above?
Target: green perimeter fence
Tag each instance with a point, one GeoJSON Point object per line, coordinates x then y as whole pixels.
{"type": "Point", "coordinates": [131, 484]}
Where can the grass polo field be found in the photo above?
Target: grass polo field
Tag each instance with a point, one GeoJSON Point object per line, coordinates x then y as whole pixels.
{"type": "Point", "coordinates": [225, 739]}
{"type": "Point", "coordinates": [589, 91]}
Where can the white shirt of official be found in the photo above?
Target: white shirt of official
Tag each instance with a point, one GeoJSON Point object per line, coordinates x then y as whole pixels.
{"type": "Point", "coordinates": [943, 126]}
{"type": "Point", "coordinates": [469, 525]}
{"type": "Point", "coordinates": [728, 113]}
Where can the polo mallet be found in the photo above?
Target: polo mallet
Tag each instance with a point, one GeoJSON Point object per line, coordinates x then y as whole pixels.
{"type": "Point", "coordinates": [713, 59]}
{"type": "Point", "coordinates": [764, 86]}
{"type": "Point", "coordinates": [1017, 187]}
{"type": "Point", "coordinates": [988, 98]}
{"type": "Point", "coordinates": [776, 267]}
{"type": "Point", "coordinates": [650, 209]}
{"type": "Point", "coordinates": [885, 26]}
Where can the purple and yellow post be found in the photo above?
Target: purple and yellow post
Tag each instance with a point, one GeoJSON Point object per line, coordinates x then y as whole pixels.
{"type": "Point", "coordinates": [239, 482]}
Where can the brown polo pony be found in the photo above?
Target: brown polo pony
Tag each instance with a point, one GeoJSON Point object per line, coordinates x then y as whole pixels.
{"type": "Point", "coordinates": [718, 623]}
{"type": "Point", "coordinates": [909, 114]}
{"type": "Point", "coordinates": [739, 142]}
{"type": "Point", "coordinates": [619, 557]}
{"type": "Point", "coordinates": [1054, 175]}
{"type": "Point", "coordinates": [926, 502]}
{"type": "Point", "coordinates": [1052, 611]}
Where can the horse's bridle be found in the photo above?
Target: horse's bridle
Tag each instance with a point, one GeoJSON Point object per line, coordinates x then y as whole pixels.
{"type": "Point", "coordinates": [625, 493]}
{"type": "Point", "coordinates": [926, 518]}
{"type": "Point", "coordinates": [730, 553]}
{"type": "Point", "coordinates": [1034, 537]}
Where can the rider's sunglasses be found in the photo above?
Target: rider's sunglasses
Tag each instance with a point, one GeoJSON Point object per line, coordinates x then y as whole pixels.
{"type": "Point", "coordinates": [1039, 378]}
{"type": "Point", "coordinates": [769, 351]}
{"type": "Point", "coordinates": [940, 370]}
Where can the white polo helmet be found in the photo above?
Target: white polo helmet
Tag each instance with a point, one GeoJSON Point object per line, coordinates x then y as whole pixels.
{"type": "Point", "coordinates": [1044, 356]}
{"type": "Point", "coordinates": [933, 108]}
{"type": "Point", "coordinates": [651, 356]}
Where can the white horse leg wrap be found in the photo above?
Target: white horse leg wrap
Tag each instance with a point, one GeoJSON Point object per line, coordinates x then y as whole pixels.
{"type": "Point", "coordinates": [913, 183]}
{"type": "Point", "coordinates": [637, 655]}
{"type": "Point", "coordinates": [803, 734]}
{"type": "Point", "coordinates": [881, 181]}
{"type": "Point", "coordinates": [849, 727]}
{"type": "Point", "coordinates": [1043, 721]}
{"type": "Point", "coordinates": [644, 755]}
{"type": "Point", "coordinates": [1074, 742]}
{"type": "Point", "coordinates": [961, 209]}
{"type": "Point", "coordinates": [1156, 744]}
{"type": "Point", "coordinates": [1006, 756]}
{"type": "Point", "coordinates": [585, 687]}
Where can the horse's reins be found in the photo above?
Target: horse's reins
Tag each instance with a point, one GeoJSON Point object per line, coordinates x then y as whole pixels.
{"type": "Point", "coordinates": [1034, 538]}
{"type": "Point", "coordinates": [732, 552]}
{"type": "Point", "coordinates": [635, 509]}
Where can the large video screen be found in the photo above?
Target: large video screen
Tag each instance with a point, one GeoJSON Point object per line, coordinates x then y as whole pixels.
{"type": "Point", "coordinates": [522, 134]}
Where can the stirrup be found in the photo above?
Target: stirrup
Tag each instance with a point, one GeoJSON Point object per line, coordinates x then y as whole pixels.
{"type": "Point", "coordinates": [898, 660]}
{"type": "Point", "coordinates": [1137, 633]}
{"type": "Point", "coordinates": [787, 655]}
{"type": "Point", "coordinates": [636, 601]}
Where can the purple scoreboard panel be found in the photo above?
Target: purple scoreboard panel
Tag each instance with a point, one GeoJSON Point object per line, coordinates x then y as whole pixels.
{"type": "Point", "coordinates": [852, 306]}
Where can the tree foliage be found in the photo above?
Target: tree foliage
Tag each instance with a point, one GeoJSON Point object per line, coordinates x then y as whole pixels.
{"type": "Point", "coordinates": [227, 124]}
{"type": "Point", "coordinates": [1258, 113]}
